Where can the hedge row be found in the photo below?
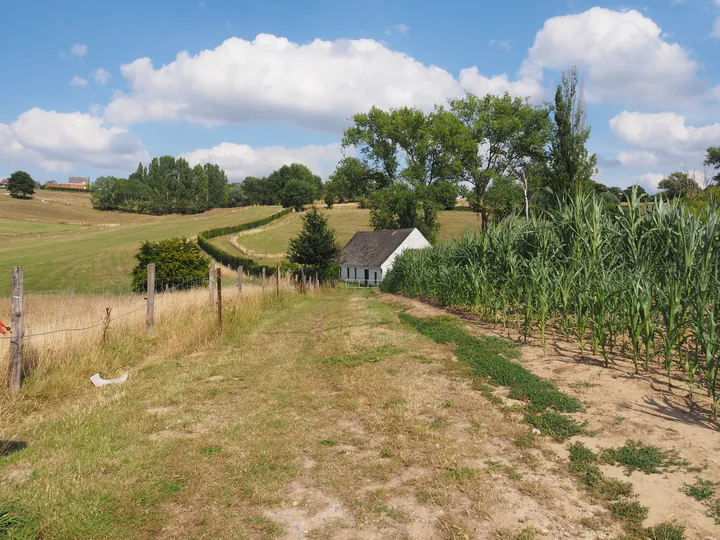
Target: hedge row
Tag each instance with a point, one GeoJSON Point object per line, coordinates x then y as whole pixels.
{"type": "Point", "coordinates": [71, 190]}
{"type": "Point", "coordinates": [235, 261]}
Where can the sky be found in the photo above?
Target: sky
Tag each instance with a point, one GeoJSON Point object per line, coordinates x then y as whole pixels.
{"type": "Point", "coordinates": [91, 88]}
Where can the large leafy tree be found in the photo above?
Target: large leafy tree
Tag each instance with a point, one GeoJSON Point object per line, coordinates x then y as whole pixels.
{"type": "Point", "coordinates": [297, 193]}
{"type": "Point", "coordinates": [216, 186]}
{"type": "Point", "coordinates": [21, 184]}
{"type": "Point", "coordinates": [712, 159]}
{"type": "Point", "coordinates": [398, 206]}
{"type": "Point", "coordinates": [315, 246]}
{"type": "Point", "coordinates": [571, 164]}
{"type": "Point", "coordinates": [503, 197]}
{"type": "Point", "coordinates": [277, 180]}
{"type": "Point", "coordinates": [678, 184]}
{"type": "Point", "coordinates": [509, 135]}
{"type": "Point", "coordinates": [166, 185]}
{"type": "Point", "coordinates": [352, 179]}
{"type": "Point", "coordinates": [411, 147]}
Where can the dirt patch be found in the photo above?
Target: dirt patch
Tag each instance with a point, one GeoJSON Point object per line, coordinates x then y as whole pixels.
{"type": "Point", "coordinates": [18, 474]}
{"type": "Point", "coordinates": [215, 378]}
{"type": "Point", "coordinates": [306, 511]}
{"type": "Point", "coordinates": [621, 406]}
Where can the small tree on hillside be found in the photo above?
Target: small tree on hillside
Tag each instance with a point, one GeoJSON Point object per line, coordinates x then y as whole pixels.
{"type": "Point", "coordinates": [315, 246]}
{"type": "Point", "coordinates": [21, 184]}
{"type": "Point", "coordinates": [179, 264]}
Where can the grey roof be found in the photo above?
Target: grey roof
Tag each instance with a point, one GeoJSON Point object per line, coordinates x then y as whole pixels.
{"type": "Point", "coordinates": [372, 249]}
{"type": "Point", "coordinates": [78, 179]}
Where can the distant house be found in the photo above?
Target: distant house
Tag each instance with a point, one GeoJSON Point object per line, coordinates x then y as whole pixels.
{"type": "Point", "coordinates": [368, 256]}
{"type": "Point", "coordinates": [3, 183]}
{"type": "Point", "coordinates": [74, 182]}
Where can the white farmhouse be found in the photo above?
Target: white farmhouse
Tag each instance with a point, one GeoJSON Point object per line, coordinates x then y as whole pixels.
{"type": "Point", "coordinates": [368, 256]}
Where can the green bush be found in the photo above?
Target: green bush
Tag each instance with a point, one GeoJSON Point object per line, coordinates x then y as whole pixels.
{"type": "Point", "coordinates": [179, 264]}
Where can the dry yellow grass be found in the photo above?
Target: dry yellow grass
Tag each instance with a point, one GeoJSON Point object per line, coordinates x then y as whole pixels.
{"type": "Point", "coordinates": [67, 336]}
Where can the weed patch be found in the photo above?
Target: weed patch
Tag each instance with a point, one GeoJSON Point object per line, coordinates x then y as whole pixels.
{"type": "Point", "coordinates": [636, 456]}
{"type": "Point", "coordinates": [632, 513]}
{"type": "Point", "coordinates": [701, 490]}
{"type": "Point", "coordinates": [328, 442]}
{"type": "Point", "coordinates": [557, 426]}
{"type": "Point", "coordinates": [666, 531]}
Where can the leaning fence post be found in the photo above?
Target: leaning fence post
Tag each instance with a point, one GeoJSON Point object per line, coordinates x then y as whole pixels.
{"type": "Point", "coordinates": [277, 282]}
{"type": "Point", "coordinates": [240, 272]}
{"type": "Point", "coordinates": [263, 278]}
{"type": "Point", "coordinates": [17, 327]}
{"type": "Point", "coordinates": [219, 298]}
{"type": "Point", "coordinates": [302, 280]}
{"type": "Point", "coordinates": [150, 312]}
{"type": "Point", "coordinates": [211, 284]}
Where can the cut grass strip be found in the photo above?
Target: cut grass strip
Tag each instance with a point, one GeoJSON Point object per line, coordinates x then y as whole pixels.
{"type": "Point", "coordinates": [490, 359]}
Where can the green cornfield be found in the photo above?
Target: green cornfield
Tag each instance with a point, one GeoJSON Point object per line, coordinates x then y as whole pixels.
{"type": "Point", "coordinates": [642, 277]}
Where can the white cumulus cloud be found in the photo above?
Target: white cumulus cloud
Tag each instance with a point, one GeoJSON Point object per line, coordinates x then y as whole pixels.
{"type": "Point", "coordinates": [78, 81]}
{"type": "Point", "coordinates": [63, 141]}
{"type": "Point", "coordinates": [241, 160]}
{"type": "Point", "coordinates": [78, 50]}
{"type": "Point", "coordinates": [664, 137]}
{"type": "Point", "coordinates": [102, 76]}
{"type": "Point", "coordinates": [650, 181]}
{"type": "Point", "coordinates": [621, 54]}
{"type": "Point", "coordinates": [319, 85]}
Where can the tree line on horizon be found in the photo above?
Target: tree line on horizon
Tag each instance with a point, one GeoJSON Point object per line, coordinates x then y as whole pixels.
{"type": "Point", "coordinates": [167, 185]}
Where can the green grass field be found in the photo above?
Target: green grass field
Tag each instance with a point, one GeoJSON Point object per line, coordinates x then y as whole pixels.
{"type": "Point", "coordinates": [346, 222]}
{"type": "Point", "coordinates": [91, 256]}
{"type": "Point", "coordinates": [64, 243]}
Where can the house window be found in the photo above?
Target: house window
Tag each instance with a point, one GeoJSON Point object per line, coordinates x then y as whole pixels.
{"type": "Point", "coordinates": [356, 272]}
{"type": "Point", "coordinates": [348, 272]}
{"type": "Point", "coordinates": [375, 277]}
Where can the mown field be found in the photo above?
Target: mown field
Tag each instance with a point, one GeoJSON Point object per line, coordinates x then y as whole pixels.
{"type": "Point", "coordinates": [275, 238]}
{"type": "Point", "coordinates": [83, 248]}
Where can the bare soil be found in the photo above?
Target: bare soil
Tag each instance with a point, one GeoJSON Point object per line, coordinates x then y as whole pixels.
{"type": "Point", "coordinates": [622, 406]}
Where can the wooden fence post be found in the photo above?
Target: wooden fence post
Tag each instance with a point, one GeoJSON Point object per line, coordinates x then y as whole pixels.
{"type": "Point", "coordinates": [302, 280]}
{"type": "Point", "coordinates": [277, 282]}
{"type": "Point", "coordinates": [150, 311]}
{"type": "Point", "coordinates": [219, 298]}
{"type": "Point", "coordinates": [317, 280]}
{"type": "Point", "coordinates": [263, 279]}
{"type": "Point", "coordinates": [240, 272]}
{"type": "Point", "coordinates": [211, 284]}
{"type": "Point", "coordinates": [17, 327]}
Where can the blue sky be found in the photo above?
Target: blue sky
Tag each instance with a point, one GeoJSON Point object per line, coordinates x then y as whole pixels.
{"type": "Point", "coordinates": [91, 88]}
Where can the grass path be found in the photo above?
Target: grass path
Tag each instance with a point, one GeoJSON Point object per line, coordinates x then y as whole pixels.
{"type": "Point", "coordinates": [326, 418]}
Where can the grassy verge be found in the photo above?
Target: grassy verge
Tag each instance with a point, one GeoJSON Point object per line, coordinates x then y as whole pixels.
{"type": "Point", "coordinates": [490, 359]}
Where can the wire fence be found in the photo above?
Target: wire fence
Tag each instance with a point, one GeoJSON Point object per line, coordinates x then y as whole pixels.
{"type": "Point", "coordinates": [47, 326]}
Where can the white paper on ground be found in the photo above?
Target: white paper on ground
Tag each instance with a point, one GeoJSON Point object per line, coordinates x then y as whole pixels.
{"type": "Point", "coordinates": [99, 381]}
